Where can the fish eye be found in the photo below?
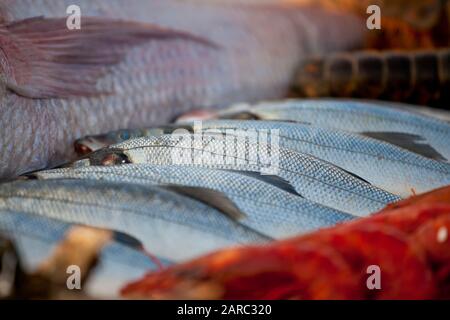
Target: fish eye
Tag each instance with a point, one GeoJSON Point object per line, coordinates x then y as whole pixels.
{"type": "Point", "coordinates": [124, 135]}
{"type": "Point", "coordinates": [114, 159]}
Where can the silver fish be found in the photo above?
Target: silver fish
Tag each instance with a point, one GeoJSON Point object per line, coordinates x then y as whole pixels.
{"type": "Point", "coordinates": [269, 204]}
{"type": "Point", "coordinates": [312, 178]}
{"type": "Point", "coordinates": [169, 225]}
{"type": "Point", "coordinates": [384, 165]}
{"type": "Point", "coordinates": [419, 133]}
{"type": "Point", "coordinates": [134, 63]}
{"type": "Point", "coordinates": [35, 237]}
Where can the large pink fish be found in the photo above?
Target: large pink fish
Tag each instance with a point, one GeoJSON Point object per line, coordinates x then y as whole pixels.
{"type": "Point", "coordinates": [135, 63]}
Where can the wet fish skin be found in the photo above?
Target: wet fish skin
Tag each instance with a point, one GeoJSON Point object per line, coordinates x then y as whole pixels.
{"type": "Point", "coordinates": [386, 166]}
{"type": "Point", "coordinates": [267, 208]}
{"type": "Point", "coordinates": [158, 80]}
{"type": "Point", "coordinates": [35, 238]}
{"type": "Point", "coordinates": [402, 172]}
{"type": "Point", "coordinates": [159, 218]}
{"type": "Point", "coordinates": [312, 178]}
{"type": "Point", "coordinates": [353, 116]}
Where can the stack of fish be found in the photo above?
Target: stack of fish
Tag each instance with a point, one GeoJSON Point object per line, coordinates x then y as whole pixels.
{"type": "Point", "coordinates": [247, 175]}
{"type": "Point", "coordinates": [179, 193]}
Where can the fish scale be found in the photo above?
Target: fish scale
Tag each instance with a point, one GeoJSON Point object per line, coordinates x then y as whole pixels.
{"type": "Point", "coordinates": [158, 80]}
{"type": "Point", "coordinates": [354, 116]}
{"type": "Point", "coordinates": [168, 224]}
{"type": "Point", "coordinates": [312, 178]}
{"type": "Point", "coordinates": [386, 166]}
{"type": "Point", "coordinates": [267, 208]}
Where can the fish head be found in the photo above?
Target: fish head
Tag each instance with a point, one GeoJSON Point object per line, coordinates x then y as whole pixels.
{"type": "Point", "coordinates": [108, 157]}
{"type": "Point", "coordinates": [93, 143]}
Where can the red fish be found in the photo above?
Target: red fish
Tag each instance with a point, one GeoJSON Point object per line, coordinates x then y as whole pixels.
{"type": "Point", "coordinates": [408, 246]}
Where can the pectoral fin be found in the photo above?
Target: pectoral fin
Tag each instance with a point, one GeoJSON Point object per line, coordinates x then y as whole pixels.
{"type": "Point", "coordinates": [42, 58]}
{"type": "Point", "coordinates": [273, 180]}
{"type": "Point", "coordinates": [411, 142]}
{"type": "Point", "coordinates": [213, 198]}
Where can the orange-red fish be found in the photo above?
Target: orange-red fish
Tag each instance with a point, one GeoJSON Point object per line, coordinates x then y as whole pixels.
{"type": "Point", "coordinates": [408, 246]}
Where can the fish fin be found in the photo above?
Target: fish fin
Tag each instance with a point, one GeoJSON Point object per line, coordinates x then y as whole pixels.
{"type": "Point", "coordinates": [273, 180]}
{"type": "Point", "coordinates": [44, 59]}
{"type": "Point", "coordinates": [411, 142]}
{"type": "Point", "coordinates": [245, 115]}
{"type": "Point", "coordinates": [352, 174]}
{"type": "Point", "coordinates": [127, 240]}
{"type": "Point", "coordinates": [290, 121]}
{"type": "Point", "coordinates": [134, 243]}
{"type": "Point", "coordinates": [213, 198]}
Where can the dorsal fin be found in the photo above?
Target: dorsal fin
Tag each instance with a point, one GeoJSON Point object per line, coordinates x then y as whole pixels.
{"type": "Point", "coordinates": [411, 142]}
{"type": "Point", "coordinates": [42, 58]}
{"type": "Point", "coordinates": [213, 198]}
{"type": "Point", "coordinates": [134, 243]}
{"type": "Point", "coordinates": [273, 180]}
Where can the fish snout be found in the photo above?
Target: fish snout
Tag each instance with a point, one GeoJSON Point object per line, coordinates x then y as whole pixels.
{"type": "Point", "coordinates": [108, 158]}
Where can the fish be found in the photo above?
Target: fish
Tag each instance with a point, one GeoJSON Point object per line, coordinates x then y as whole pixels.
{"type": "Point", "coordinates": [35, 237]}
{"type": "Point", "coordinates": [404, 243]}
{"type": "Point", "coordinates": [312, 178]}
{"type": "Point", "coordinates": [137, 63]}
{"type": "Point", "coordinates": [168, 224]}
{"type": "Point", "coordinates": [403, 172]}
{"type": "Point", "coordinates": [269, 205]}
{"type": "Point", "coordinates": [415, 76]}
{"type": "Point", "coordinates": [400, 126]}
